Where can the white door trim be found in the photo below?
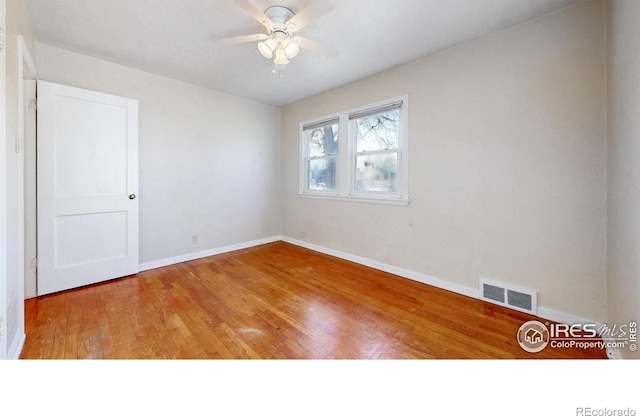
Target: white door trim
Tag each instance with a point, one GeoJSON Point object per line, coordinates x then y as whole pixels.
{"type": "Point", "coordinates": [3, 188]}
{"type": "Point", "coordinates": [27, 70]}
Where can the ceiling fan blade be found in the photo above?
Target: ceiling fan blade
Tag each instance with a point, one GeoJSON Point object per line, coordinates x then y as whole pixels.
{"type": "Point", "coordinates": [248, 7]}
{"type": "Point", "coordinates": [313, 46]}
{"type": "Point", "coordinates": [310, 13]}
{"type": "Point", "coordinates": [242, 39]}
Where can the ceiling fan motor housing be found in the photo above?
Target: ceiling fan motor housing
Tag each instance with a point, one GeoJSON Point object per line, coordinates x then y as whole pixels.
{"type": "Point", "coordinates": [279, 15]}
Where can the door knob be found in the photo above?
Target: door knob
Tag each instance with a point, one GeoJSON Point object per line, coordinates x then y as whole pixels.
{"type": "Point", "coordinates": [132, 196]}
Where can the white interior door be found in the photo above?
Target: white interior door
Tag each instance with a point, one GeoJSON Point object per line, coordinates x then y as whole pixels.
{"type": "Point", "coordinates": [87, 187]}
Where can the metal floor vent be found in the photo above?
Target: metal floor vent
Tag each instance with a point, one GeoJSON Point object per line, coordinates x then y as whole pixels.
{"type": "Point", "coordinates": [513, 297]}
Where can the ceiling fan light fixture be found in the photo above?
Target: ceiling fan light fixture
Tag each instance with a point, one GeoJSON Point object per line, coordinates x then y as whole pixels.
{"type": "Point", "coordinates": [281, 58]}
{"type": "Point", "coordinates": [291, 48]}
{"type": "Point", "coordinates": [266, 48]}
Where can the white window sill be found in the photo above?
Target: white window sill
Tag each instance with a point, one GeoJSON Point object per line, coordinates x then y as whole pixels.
{"type": "Point", "coordinates": [362, 199]}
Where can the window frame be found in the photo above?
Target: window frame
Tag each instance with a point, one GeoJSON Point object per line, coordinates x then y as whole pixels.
{"type": "Point", "coordinates": [346, 158]}
{"type": "Point", "coordinates": [305, 157]}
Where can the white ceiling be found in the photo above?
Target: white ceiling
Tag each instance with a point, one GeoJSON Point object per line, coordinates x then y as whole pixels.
{"type": "Point", "coordinates": [176, 38]}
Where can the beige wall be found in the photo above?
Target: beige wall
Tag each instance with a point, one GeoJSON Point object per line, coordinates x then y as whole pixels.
{"type": "Point", "coordinates": [18, 23]}
{"type": "Point", "coordinates": [209, 162]}
{"type": "Point", "coordinates": [507, 164]}
{"type": "Point", "coordinates": [624, 164]}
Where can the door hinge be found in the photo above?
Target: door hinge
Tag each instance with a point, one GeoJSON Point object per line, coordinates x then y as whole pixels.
{"type": "Point", "coordinates": [18, 143]}
{"type": "Point", "coordinates": [34, 263]}
{"type": "Point", "coordinates": [33, 104]}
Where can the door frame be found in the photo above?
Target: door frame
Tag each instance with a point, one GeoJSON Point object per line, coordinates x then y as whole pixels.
{"type": "Point", "coordinates": [3, 187]}
{"type": "Point", "coordinates": [27, 70]}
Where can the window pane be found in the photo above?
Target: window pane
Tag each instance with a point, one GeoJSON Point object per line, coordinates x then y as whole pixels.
{"type": "Point", "coordinates": [323, 140]}
{"type": "Point", "coordinates": [322, 174]}
{"type": "Point", "coordinates": [378, 132]}
{"type": "Point", "coordinates": [377, 172]}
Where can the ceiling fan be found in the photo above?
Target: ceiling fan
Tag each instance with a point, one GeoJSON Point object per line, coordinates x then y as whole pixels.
{"type": "Point", "coordinates": [281, 23]}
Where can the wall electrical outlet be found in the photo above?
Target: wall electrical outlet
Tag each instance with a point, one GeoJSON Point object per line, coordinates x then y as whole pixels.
{"type": "Point", "coordinates": [194, 239]}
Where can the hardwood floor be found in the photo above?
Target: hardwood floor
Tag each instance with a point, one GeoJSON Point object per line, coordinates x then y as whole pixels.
{"type": "Point", "coordinates": [275, 301]}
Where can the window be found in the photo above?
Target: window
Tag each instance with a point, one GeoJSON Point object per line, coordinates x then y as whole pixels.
{"type": "Point", "coordinates": [377, 144]}
{"type": "Point", "coordinates": [369, 165]}
{"type": "Point", "coordinates": [321, 156]}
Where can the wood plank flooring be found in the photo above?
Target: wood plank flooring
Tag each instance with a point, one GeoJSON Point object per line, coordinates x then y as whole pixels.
{"type": "Point", "coordinates": [276, 301]}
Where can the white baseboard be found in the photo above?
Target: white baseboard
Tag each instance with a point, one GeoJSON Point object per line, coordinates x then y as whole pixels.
{"type": "Point", "coordinates": [543, 312]}
{"type": "Point", "coordinates": [419, 277]}
{"type": "Point", "coordinates": [201, 254]}
{"type": "Point", "coordinates": [16, 348]}
{"type": "Point", "coordinates": [563, 317]}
